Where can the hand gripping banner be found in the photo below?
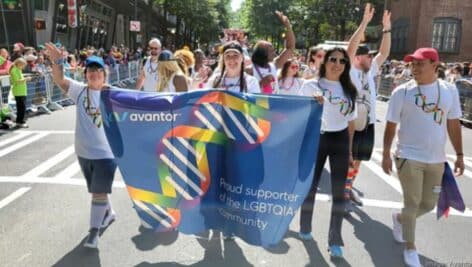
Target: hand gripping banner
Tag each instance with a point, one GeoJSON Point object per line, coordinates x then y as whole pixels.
{"type": "Point", "coordinates": [239, 163]}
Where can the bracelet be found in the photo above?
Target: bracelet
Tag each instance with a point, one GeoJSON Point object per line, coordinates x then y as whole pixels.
{"type": "Point", "coordinates": [386, 31]}
{"type": "Point", "coordinates": [459, 154]}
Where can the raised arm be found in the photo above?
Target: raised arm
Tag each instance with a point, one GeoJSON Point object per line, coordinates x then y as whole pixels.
{"type": "Point", "coordinates": [55, 54]}
{"type": "Point", "coordinates": [287, 53]}
{"type": "Point", "coordinates": [357, 36]}
{"type": "Point", "coordinates": [384, 50]}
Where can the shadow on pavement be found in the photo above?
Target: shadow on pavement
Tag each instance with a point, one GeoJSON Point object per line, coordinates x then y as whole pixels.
{"type": "Point", "coordinates": [80, 256]}
{"type": "Point", "coordinates": [147, 239]}
{"type": "Point", "coordinates": [378, 241]}
{"type": "Point", "coordinates": [218, 253]}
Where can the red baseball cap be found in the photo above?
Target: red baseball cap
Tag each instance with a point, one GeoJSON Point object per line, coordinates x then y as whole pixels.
{"type": "Point", "coordinates": [422, 54]}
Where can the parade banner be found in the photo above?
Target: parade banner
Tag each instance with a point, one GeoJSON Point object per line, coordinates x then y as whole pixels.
{"type": "Point", "coordinates": [238, 163]}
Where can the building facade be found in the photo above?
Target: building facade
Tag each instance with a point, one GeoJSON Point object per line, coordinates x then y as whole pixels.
{"type": "Point", "coordinates": [100, 23]}
{"type": "Point", "coordinates": [444, 25]}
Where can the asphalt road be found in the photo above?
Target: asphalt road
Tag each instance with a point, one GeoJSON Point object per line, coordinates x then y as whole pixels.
{"type": "Point", "coordinates": [44, 213]}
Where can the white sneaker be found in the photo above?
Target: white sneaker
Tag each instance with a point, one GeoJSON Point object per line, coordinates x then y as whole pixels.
{"type": "Point", "coordinates": [411, 258]}
{"type": "Point", "coordinates": [108, 219]}
{"type": "Point", "coordinates": [92, 239]}
{"type": "Point", "coordinates": [397, 229]}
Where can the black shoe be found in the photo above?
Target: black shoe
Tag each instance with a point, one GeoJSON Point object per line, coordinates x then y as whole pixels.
{"type": "Point", "coordinates": [355, 199]}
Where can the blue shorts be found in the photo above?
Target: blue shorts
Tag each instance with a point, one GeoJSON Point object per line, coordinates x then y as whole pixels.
{"type": "Point", "coordinates": [99, 174]}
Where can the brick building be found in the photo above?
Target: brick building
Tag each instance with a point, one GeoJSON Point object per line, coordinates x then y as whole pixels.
{"type": "Point", "coordinates": [443, 24]}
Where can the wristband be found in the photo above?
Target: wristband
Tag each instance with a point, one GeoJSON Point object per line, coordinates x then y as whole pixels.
{"type": "Point", "coordinates": [459, 154]}
{"type": "Point", "coordinates": [386, 31]}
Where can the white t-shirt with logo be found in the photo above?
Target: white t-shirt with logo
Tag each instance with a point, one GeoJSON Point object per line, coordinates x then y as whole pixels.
{"type": "Point", "coordinates": [150, 76]}
{"type": "Point", "coordinates": [369, 80]}
{"type": "Point", "coordinates": [90, 139]}
{"type": "Point", "coordinates": [290, 86]}
{"type": "Point", "coordinates": [422, 133]}
{"type": "Point", "coordinates": [232, 84]}
{"type": "Point", "coordinates": [336, 115]}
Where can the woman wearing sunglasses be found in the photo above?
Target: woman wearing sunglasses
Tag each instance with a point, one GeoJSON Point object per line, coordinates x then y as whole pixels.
{"type": "Point", "coordinates": [337, 93]}
{"type": "Point", "coordinates": [313, 61]}
{"type": "Point", "coordinates": [289, 78]}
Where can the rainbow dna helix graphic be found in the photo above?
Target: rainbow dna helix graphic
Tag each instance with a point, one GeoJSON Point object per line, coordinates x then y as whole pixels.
{"type": "Point", "coordinates": [184, 174]}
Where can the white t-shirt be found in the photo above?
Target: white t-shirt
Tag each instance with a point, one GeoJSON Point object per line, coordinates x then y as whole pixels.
{"type": "Point", "coordinates": [366, 80]}
{"type": "Point", "coordinates": [260, 73]}
{"type": "Point", "coordinates": [90, 139]}
{"type": "Point", "coordinates": [232, 84]}
{"type": "Point", "coordinates": [336, 108]}
{"type": "Point", "coordinates": [150, 76]}
{"type": "Point", "coordinates": [290, 86]}
{"type": "Point", "coordinates": [422, 134]}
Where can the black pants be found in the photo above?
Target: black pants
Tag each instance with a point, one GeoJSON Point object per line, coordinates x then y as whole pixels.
{"type": "Point", "coordinates": [334, 145]}
{"type": "Point", "coordinates": [20, 109]}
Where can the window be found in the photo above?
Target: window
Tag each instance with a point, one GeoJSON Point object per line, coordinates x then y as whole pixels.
{"type": "Point", "coordinates": [447, 34]}
{"type": "Point", "coordinates": [41, 5]}
{"type": "Point", "coordinates": [399, 35]}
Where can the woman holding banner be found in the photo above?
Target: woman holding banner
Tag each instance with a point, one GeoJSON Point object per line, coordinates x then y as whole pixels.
{"type": "Point", "coordinates": [91, 146]}
{"type": "Point", "coordinates": [231, 75]}
{"type": "Point", "coordinates": [337, 93]}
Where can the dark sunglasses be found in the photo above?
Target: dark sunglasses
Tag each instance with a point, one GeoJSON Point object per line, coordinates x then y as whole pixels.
{"type": "Point", "coordinates": [153, 48]}
{"type": "Point", "coordinates": [341, 61]}
{"type": "Point", "coordinates": [320, 56]}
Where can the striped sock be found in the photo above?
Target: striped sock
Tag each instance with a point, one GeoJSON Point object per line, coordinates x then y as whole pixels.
{"type": "Point", "coordinates": [98, 210]}
{"type": "Point", "coordinates": [351, 176]}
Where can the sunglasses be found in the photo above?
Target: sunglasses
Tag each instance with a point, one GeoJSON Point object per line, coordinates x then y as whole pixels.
{"type": "Point", "coordinates": [294, 67]}
{"type": "Point", "coordinates": [320, 56]}
{"type": "Point", "coordinates": [153, 48]}
{"type": "Point", "coordinates": [341, 61]}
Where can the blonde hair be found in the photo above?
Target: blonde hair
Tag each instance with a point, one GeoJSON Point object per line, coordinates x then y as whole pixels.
{"type": "Point", "coordinates": [186, 55]}
{"type": "Point", "coordinates": [18, 61]}
{"type": "Point", "coordinates": [165, 70]}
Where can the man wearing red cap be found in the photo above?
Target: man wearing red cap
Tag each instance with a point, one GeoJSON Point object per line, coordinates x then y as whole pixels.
{"type": "Point", "coordinates": [17, 51]}
{"type": "Point", "coordinates": [427, 110]}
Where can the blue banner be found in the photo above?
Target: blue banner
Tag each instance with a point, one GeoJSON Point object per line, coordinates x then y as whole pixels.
{"type": "Point", "coordinates": [239, 163]}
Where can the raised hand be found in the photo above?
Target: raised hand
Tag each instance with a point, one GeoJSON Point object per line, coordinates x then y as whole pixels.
{"type": "Point", "coordinates": [53, 52]}
{"type": "Point", "coordinates": [368, 13]}
{"type": "Point", "coordinates": [386, 22]}
{"type": "Point", "coordinates": [283, 19]}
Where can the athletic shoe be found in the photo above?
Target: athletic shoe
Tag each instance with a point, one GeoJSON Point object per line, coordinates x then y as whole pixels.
{"type": "Point", "coordinates": [305, 236]}
{"type": "Point", "coordinates": [411, 258]}
{"type": "Point", "coordinates": [335, 251]}
{"type": "Point", "coordinates": [92, 239]}
{"type": "Point", "coordinates": [108, 219]}
{"type": "Point", "coordinates": [355, 198]}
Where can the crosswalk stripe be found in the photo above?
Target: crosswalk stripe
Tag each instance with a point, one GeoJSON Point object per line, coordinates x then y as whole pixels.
{"type": "Point", "coordinates": [40, 169]}
{"type": "Point", "coordinates": [21, 144]}
{"type": "Point", "coordinates": [18, 136]}
{"type": "Point", "coordinates": [69, 171]}
{"type": "Point", "coordinates": [467, 163]}
{"type": "Point", "coordinates": [389, 179]}
{"type": "Point", "coordinates": [9, 199]}
{"type": "Point", "coordinates": [467, 173]}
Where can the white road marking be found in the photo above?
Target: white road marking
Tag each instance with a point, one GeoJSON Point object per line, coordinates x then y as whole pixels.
{"type": "Point", "coordinates": [49, 163]}
{"type": "Point", "coordinates": [21, 144]}
{"type": "Point", "coordinates": [18, 136]}
{"type": "Point", "coordinates": [9, 199]}
{"type": "Point", "coordinates": [69, 171]}
{"type": "Point", "coordinates": [47, 131]}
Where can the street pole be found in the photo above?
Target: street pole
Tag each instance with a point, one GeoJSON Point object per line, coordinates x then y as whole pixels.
{"type": "Point", "coordinates": [4, 24]}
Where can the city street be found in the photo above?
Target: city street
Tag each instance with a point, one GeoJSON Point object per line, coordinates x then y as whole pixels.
{"type": "Point", "coordinates": [44, 215]}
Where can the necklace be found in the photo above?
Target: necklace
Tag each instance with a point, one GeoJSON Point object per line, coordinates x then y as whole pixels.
{"type": "Point", "coordinates": [287, 88]}
{"type": "Point", "coordinates": [150, 68]}
{"type": "Point", "coordinates": [226, 86]}
{"type": "Point", "coordinates": [420, 101]}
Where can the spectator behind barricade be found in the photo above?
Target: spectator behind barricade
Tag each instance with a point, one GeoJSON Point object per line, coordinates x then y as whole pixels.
{"type": "Point", "coordinates": [314, 59]}
{"type": "Point", "coordinates": [5, 63]}
{"type": "Point", "coordinates": [171, 77]}
{"type": "Point", "coordinates": [19, 90]}
{"type": "Point", "coordinates": [17, 51]}
{"type": "Point", "coordinates": [186, 61]}
{"type": "Point", "coordinates": [456, 73]}
{"type": "Point", "coordinates": [109, 59]}
{"type": "Point", "coordinates": [30, 63]}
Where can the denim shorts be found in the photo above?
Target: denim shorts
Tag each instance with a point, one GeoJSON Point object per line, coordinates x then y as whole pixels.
{"type": "Point", "coordinates": [99, 174]}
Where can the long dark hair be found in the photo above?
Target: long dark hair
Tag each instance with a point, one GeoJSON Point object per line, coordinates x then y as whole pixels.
{"type": "Point", "coordinates": [219, 79]}
{"type": "Point", "coordinates": [348, 87]}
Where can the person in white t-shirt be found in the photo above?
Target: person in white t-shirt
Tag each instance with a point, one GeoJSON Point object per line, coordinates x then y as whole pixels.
{"type": "Point", "coordinates": [313, 61]}
{"type": "Point", "coordinates": [338, 95]}
{"type": "Point", "coordinates": [427, 110]}
{"type": "Point", "coordinates": [366, 65]}
{"type": "Point", "coordinates": [91, 146]}
{"type": "Point", "coordinates": [290, 81]}
{"type": "Point", "coordinates": [231, 76]}
{"type": "Point", "coordinates": [149, 78]}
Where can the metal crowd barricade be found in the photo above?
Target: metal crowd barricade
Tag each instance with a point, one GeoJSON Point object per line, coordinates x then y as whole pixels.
{"type": "Point", "coordinates": [133, 69]}
{"type": "Point", "coordinates": [4, 89]}
{"type": "Point", "coordinates": [113, 75]}
{"type": "Point", "coordinates": [465, 95]}
{"type": "Point", "coordinates": [123, 70]}
{"type": "Point", "coordinates": [37, 96]}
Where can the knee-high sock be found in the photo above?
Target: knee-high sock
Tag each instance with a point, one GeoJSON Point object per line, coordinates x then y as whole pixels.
{"type": "Point", "coordinates": [109, 206]}
{"type": "Point", "coordinates": [351, 176]}
{"type": "Point", "coordinates": [98, 210]}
